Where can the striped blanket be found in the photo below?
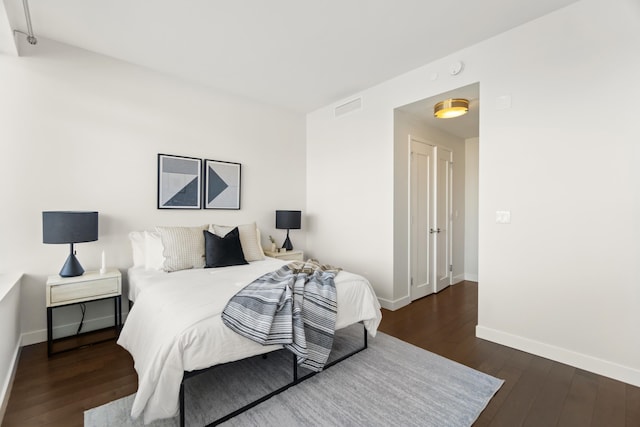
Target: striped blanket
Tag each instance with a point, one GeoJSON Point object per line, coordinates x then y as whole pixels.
{"type": "Point", "coordinates": [295, 306]}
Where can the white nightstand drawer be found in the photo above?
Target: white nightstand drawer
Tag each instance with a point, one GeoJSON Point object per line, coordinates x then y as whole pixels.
{"type": "Point", "coordinates": [92, 289]}
{"type": "Point", "coordinates": [291, 257]}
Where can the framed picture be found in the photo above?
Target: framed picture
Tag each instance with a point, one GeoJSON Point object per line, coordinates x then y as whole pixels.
{"type": "Point", "coordinates": [222, 185]}
{"type": "Point", "coordinates": [179, 182]}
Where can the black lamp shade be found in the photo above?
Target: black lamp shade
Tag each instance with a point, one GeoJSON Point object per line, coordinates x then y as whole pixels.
{"type": "Point", "coordinates": [69, 227]}
{"type": "Point", "coordinates": [289, 220]}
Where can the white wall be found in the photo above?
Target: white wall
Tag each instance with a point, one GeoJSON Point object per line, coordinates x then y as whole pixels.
{"type": "Point", "coordinates": [9, 334]}
{"type": "Point", "coordinates": [471, 209]}
{"type": "Point", "coordinates": [350, 191]}
{"type": "Point", "coordinates": [562, 279]}
{"type": "Point", "coordinates": [406, 124]}
{"type": "Point", "coordinates": [81, 131]}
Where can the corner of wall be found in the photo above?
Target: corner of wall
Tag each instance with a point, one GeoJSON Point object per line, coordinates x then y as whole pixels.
{"type": "Point", "coordinates": [458, 278]}
{"type": "Point", "coordinates": [395, 304]}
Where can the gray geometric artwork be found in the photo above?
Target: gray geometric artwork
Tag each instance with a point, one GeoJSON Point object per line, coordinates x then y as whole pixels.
{"type": "Point", "coordinates": [179, 182]}
{"type": "Point", "coordinates": [222, 185]}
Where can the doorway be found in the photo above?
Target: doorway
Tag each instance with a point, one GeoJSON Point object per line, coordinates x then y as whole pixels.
{"type": "Point", "coordinates": [451, 254]}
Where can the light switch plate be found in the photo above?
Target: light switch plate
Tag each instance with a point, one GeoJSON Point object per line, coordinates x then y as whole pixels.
{"type": "Point", "coordinates": [503, 217]}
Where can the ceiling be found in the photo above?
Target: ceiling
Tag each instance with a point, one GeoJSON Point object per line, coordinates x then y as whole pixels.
{"type": "Point", "coordinates": [295, 54]}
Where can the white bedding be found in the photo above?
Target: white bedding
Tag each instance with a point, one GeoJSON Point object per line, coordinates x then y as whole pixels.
{"type": "Point", "coordinates": [175, 325]}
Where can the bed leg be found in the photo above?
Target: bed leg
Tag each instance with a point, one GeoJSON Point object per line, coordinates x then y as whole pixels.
{"type": "Point", "coordinates": [295, 369]}
{"type": "Point", "coordinates": [365, 336]}
{"type": "Point", "coordinates": [182, 403]}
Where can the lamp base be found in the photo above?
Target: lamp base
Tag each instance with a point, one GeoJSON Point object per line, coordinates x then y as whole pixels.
{"type": "Point", "coordinates": [71, 267]}
{"type": "Point", "coordinates": [287, 243]}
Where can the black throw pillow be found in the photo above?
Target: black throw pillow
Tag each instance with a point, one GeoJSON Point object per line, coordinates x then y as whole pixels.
{"type": "Point", "coordinates": [223, 251]}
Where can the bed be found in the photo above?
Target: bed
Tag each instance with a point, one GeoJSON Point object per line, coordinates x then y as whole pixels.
{"type": "Point", "coordinates": [174, 326]}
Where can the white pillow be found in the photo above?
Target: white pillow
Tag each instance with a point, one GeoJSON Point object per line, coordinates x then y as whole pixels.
{"type": "Point", "coordinates": [249, 239]}
{"type": "Point", "coordinates": [183, 247]}
{"type": "Point", "coordinates": [137, 247]}
{"type": "Point", "coordinates": [153, 251]}
{"type": "Point", "coordinates": [260, 242]}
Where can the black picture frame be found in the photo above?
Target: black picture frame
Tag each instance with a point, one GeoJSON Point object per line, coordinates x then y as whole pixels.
{"type": "Point", "coordinates": [222, 184]}
{"type": "Point", "coordinates": [179, 182]}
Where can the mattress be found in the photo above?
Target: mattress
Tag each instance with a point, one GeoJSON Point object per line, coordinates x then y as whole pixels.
{"type": "Point", "coordinates": [175, 325]}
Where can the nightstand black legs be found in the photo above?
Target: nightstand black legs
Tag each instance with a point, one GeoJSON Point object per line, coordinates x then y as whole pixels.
{"type": "Point", "coordinates": [117, 325]}
{"type": "Point", "coordinates": [117, 319]}
{"type": "Point", "coordinates": [49, 330]}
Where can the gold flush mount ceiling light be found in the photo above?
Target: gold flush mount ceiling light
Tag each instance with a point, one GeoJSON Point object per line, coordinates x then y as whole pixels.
{"type": "Point", "coordinates": [449, 108]}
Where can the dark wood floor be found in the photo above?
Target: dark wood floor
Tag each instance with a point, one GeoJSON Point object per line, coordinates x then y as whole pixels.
{"type": "Point", "coordinates": [537, 391]}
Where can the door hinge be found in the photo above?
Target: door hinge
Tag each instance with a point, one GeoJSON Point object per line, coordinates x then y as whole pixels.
{"type": "Point", "coordinates": [450, 267]}
{"type": "Point", "coordinates": [412, 281]}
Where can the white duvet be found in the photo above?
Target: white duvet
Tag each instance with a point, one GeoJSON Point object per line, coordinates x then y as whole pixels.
{"type": "Point", "coordinates": [175, 326]}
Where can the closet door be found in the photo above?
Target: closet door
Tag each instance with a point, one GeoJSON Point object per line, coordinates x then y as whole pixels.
{"type": "Point", "coordinates": [444, 173]}
{"type": "Point", "coordinates": [421, 219]}
{"type": "Point", "coordinates": [430, 186]}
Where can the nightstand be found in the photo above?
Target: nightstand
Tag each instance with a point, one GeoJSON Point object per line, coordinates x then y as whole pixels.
{"type": "Point", "coordinates": [91, 286]}
{"type": "Point", "coordinates": [287, 256]}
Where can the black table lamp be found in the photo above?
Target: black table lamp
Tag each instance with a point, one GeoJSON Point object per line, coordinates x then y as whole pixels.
{"type": "Point", "coordinates": [289, 220]}
{"type": "Point", "coordinates": [70, 227]}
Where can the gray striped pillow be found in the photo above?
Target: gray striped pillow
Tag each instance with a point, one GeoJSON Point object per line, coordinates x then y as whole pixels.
{"type": "Point", "coordinates": [183, 247]}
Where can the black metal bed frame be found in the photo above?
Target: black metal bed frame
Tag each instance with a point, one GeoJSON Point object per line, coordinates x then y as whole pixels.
{"type": "Point", "coordinates": [295, 380]}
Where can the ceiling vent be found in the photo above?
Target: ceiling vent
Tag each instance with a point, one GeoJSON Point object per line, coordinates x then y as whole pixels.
{"type": "Point", "coordinates": [348, 107]}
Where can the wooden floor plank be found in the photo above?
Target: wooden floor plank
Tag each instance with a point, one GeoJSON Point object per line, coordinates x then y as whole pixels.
{"type": "Point", "coordinates": [610, 403]}
{"type": "Point", "coordinates": [54, 392]}
{"type": "Point", "coordinates": [524, 392]}
{"type": "Point", "coordinates": [511, 376]}
{"type": "Point", "coordinates": [632, 405]}
{"type": "Point", "coordinates": [578, 408]}
{"type": "Point", "coordinates": [547, 407]}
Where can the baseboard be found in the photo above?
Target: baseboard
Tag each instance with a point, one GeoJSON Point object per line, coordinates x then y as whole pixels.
{"type": "Point", "coordinates": [583, 361]}
{"type": "Point", "coordinates": [471, 277]}
{"type": "Point", "coordinates": [38, 336]}
{"type": "Point", "coordinates": [395, 304]}
{"type": "Point", "coordinates": [33, 337]}
{"type": "Point", "coordinates": [457, 279]}
{"type": "Point", "coordinates": [8, 383]}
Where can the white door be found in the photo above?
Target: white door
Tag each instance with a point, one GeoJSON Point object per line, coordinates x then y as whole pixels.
{"type": "Point", "coordinates": [443, 219]}
{"type": "Point", "coordinates": [430, 197]}
{"type": "Point", "coordinates": [421, 218]}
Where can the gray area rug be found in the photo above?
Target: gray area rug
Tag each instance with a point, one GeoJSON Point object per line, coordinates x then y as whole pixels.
{"type": "Point", "coordinates": [389, 383]}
